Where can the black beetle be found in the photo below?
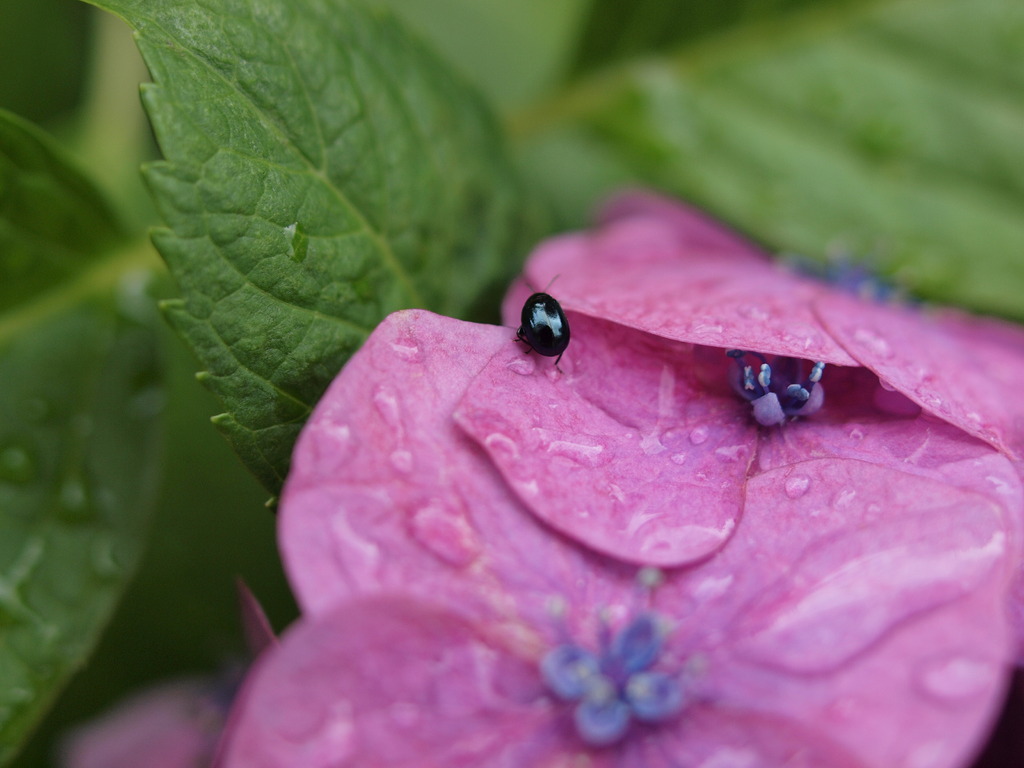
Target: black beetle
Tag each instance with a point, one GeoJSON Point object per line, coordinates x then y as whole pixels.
{"type": "Point", "coordinates": [544, 327]}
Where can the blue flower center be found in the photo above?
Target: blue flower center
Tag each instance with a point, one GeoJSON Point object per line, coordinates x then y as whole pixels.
{"type": "Point", "coordinates": [779, 390]}
{"type": "Point", "coordinates": [616, 686]}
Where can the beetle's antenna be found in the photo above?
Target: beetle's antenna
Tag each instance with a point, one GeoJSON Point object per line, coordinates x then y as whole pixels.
{"type": "Point", "coordinates": [551, 282]}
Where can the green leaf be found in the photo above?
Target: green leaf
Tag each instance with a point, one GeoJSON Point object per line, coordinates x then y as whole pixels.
{"type": "Point", "coordinates": [893, 133]}
{"type": "Point", "coordinates": [615, 30]}
{"type": "Point", "coordinates": [322, 170]}
{"type": "Point", "coordinates": [78, 417]}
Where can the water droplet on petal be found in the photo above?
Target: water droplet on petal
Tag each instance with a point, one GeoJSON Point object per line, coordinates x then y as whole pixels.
{"type": "Point", "coordinates": [524, 365]}
{"type": "Point", "coordinates": [590, 455]}
{"type": "Point", "coordinates": [875, 343]}
{"type": "Point", "coordinates": [956, 679]}
{"type": "Point", "coordinates": [16, 465]}
{"type": "Point", "coordinates": [387, 406]}
{"type": "Point", "coordinates": [712, 587]}
{"type": "Point", "coordinates": [499, 443]}
{"type": "Point", "coordinates": [699, 434]}
{"type": "Point", "coordinates": [326, 448]}
{"type": "Point", "coordinates": [401, 460]}
{"type": "Point", "coordinates": [927, 755]}
{"type": "Point", "coordinates": [732, 757]}
{"type": "Point", "coordinates": [843, 498]}
{"type": "Point", "coordinates": [407, 350]}
{"type": "Point", "coordinates": [446, 533]}
{"type": "Point", "coordinates": [797, 485]}
{"type": "Point", "coordinates": [731, 453]}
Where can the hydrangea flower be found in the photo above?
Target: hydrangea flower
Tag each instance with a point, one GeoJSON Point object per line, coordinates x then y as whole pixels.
{"type": "Point", "coordinates": [175, 724]}
{"type": "Point", "coordinates": [501, 563]}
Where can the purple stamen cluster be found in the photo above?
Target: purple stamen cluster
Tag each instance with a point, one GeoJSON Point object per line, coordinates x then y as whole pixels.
{"type": "Point", "coordinates": [615, 686]}
{"type": "Point", "coordinates": [778, 390]}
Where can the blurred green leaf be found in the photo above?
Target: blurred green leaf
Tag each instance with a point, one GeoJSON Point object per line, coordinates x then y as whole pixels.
{"type": "Point", "coordinates": [323, 169]}
{"type": "Point", "coordinates": [893, 134]}
{"type": "Point", "coordinates": [51, 218]}
{"type": "Point", "coordinates": [614, 30]}
{"type": "Point", "coordinates": [512, 50]}
{"type": "Point", "coordinates": [78, 422]}
{"type": "Point", "coordinates": [41, 59]}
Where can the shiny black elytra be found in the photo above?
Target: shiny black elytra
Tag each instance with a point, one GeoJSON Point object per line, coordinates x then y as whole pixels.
{"type": "Point", "coordinates": [544, 326]}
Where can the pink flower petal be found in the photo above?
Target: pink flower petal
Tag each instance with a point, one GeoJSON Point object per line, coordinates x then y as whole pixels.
{"type": "Point", "coordinates": [625, 452]}
{"type": "Point", "coordinates": [438, 522]}
{"type": "Point", "coordinates": [390, 683]}
{"type": "Point", "coordinates": [639, 272]}
{"type": "Point", "coordinates": [959, 369]}
{"type": "Point", "coordinates": [259, 635]}
{"type": "Point", "coordinates": [696, 233]}
{"type": "Point", "coordinates": [710, 736]}
{"type": "Point", "coordinates": [175, 725]}
{"type": "Point", "coordinates": [861, 600]}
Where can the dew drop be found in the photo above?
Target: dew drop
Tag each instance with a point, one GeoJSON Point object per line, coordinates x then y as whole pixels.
{"type": "Point", "coordinates": [699, 434]}
{"type": "Point", "coordinates": [387, 406]}
{"type": "Point", "coordinates": [16, 465]}
{"type": "Point", "coordinates": [104, 559]}
{"type": "Point", "coordinates": [327, 448]}
{"type": "Point", "coordinates": [797, 485]}
{"type": "Point", "coordinates": [74, 501]}
{"type": "Point", "coordinates": [581, 453]}
{"type": "Point", "coordinates": [927, 755]}
{"type": "Point", "coordinates": [753, 312]}
{"type": "Point", "coordinates": [957, 679]}
{"type": "Point", "coordinates": [298, 242]}
{"type": "Point", "coordinates": [843, 498]}
{"type": "Point", "coordinates": [502, 444]}
{"type": "Point", "coordinates": [712, 587]}
{"type": "Point", "coordinates": [731, 453]}
{"type": "Point", "coordinates": [73, 495]}
{"type": "Point", "coordinates": [445, 533]}
{"type": "Point", "coordinates": [132, 296]}
{"type": "Point", "coordinates": [401, 460]}
{"type": "Point", "coordinates": [732, 757]}
{"type": "Point", "coordinates": [407, 350]}
{"type": "Point", "coordinates": [875, 343]}
{"type": "Point", "coordinates": [524, 365]}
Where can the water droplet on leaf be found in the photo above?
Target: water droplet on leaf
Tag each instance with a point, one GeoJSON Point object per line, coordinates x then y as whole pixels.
{"type": "Point", "coordinates": [74, 501]}
{"type": "Point", "coordinates": [16, 465]}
